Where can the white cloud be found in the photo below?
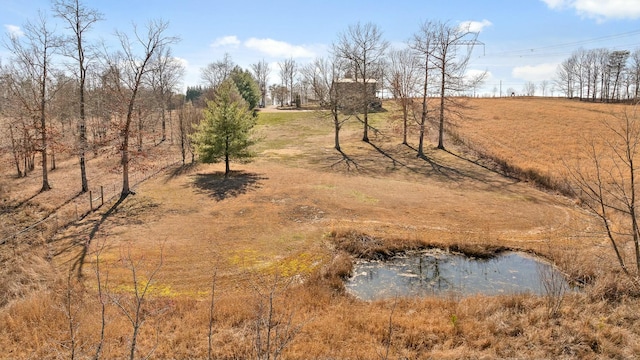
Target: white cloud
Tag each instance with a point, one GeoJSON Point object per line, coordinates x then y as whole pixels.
{"type": "Point", "coordinates": [14, 31]}
{"type": "Point", "coordinates": [555, 4]}
{"type": "Point", "coordinates": [477, 72]}
{"type": "Point", "coordinates": [475, 26]}
{"type": "Point", "coordinates": [599, 9]}
{"type": "Point", "coordinates": [277, 48]}
{"type": "Point", "coordinates": [182, 61]}
{"type": "Point", "coordinates": [536, 72]}
{"type": "Point", "coordinates": [230, 40]}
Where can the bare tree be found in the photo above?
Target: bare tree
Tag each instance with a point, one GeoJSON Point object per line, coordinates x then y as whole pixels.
{"type": "Point", "coordinates": [135, 309]}
{"type": "Point", "coordinates": [274, 330]}
{"type": "Point", "coordinates": [544, 86]}
{"type": "Point", "coordinates": [102, 297]}
{"type": "Point", "coordinates": [131, 66]}
{"type": "Point", "coordinates": [279, 93]}
{"type": "Point", "coordinates": [565, 76]}
{"type": "Point", "coordinates": [529, 88]}
{"type": "Point", "coordinates": [403, 79]}
{"type": "Point", "coordinates": [363, 47]}
{"type": "Point", "coordinates": [423, 43]}
{"type": "Point", "coordinates": [600, 57]}
{"type": "Point", "coordinates": [166, 76]}
{"type": "Point", "coordinates": [474, 81]}
{"type": "Point", "coordinates": [323, 75]}
{"type": "Point", "coordinates": [450, 64]}
{"type": "Point", "coordinates": [617, 66]}
{"type": "Point", "coordinates": [188, 117]}
{"type": "Point", "coordinates": [634, 71]}
{"type": "Point", "coordinates": [217, 72]}
{"type": "Point", "coordinates": [17, 129]}
{"type": "Point", "coordinates": [261, 72]}
{"type": "Point", "coordinates": [288, 71]}
{"type": "Point", "coordinates": [608, 187]}
{"type": "Point", "coordinates": [79, 20]}
{"type": "Point", "coordinates": [31, 78]}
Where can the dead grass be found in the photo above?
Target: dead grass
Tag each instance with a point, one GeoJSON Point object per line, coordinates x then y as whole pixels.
{"type": "Point", "coordinates": [535, 139]}
{"type": "Point", "coordinates": [301, 211]}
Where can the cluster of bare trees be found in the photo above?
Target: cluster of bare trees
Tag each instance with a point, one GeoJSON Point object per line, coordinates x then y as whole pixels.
{"type": "Point", "coordinates": [600, 75]}
{"type": "Point", "coordinates": [424, 77]}
{"type": "Point", "coordinates": [61, 93]}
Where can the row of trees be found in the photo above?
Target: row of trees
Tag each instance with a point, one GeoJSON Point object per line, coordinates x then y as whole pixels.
{"type": "Point", "coordinates": [430, 67]}
{"type": "Point", "coordinates": [600, 75]}
{"type": "Point", "coordinates": [423, 77]}
{"type": "Point", "coordinates": [61, 93]}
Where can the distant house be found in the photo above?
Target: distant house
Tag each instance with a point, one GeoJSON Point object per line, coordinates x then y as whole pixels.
{"type": "Point", "coordinates": [350, 93]}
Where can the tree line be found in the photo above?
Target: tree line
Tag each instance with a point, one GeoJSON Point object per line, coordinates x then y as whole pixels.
{"type": "Point", "coordinates": [424, 76]}
{"type": "Point", "coordinates": [62, 93]}
{"type": "Point", "coordinates": [600, 75]}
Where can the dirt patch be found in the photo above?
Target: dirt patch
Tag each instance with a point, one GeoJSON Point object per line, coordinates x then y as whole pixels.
{"type": "Point", "coordinates": [304, 213]}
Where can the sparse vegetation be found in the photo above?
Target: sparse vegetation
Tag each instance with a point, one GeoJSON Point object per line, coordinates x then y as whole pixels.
{"type": "Point", "coordinates": [301, 211]}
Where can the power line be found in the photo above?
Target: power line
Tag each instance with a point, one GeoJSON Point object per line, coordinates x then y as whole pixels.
{"type": "Point", "coordinates": [536, 51]}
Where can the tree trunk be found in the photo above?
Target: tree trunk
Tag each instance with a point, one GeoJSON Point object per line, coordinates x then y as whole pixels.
{"type": "Point", "coordinates": [442, 93]}
{"type": "Point", "coordinates": [125, 155]}
{"type": "Point", "coordinates": [423, 117]}
{"type": "Point", "coordinates": [140, 130]}
{"type": "Point", "coordinates": [336, 124]}
{"type": "Point", "coordinates": [421, 140]}
{"type": "Point", "coordinates": [14, 150]}
{"type": "Point", "coordinates": [164, 125]}
{"type": "Point", "coordinates": [170, 128]}
{"type": "Point", "coordinates": [43, 144]}
{"type": "Point", "coordinates": [182, 135]}
{"type": "Point", "coordinates": [405, 115]}
{"type": "Point", "coordinates": [227, 169]}
{"type": "Point", "coordinates": [365, 137]}
{"type": "Point", "coordinates": [83, 136]}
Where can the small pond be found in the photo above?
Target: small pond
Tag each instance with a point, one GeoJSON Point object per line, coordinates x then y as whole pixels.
{"type": "Point", "coordinates": [436, 272]}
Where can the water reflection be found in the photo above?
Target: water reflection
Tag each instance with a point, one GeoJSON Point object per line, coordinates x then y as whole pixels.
{"type": "Point", "coordinates": [436, 272]}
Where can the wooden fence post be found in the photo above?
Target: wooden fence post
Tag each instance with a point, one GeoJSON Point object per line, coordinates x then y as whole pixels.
{"type": "Point", "coordinates": [91, 200]}
{"type": "Point", "coordinates": [101, 195]}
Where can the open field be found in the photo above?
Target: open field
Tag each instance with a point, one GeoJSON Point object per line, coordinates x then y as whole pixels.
{"type": "Point", "coordinates": [549, 135]}
{"type": "Point", "coordinates": [274, 233]}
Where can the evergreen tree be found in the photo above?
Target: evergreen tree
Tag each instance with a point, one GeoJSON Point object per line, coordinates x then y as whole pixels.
{"type": "Point", "coordinates": [247, 86]}
{"type": "Point", "coordinates": [224, 133]}
{"type": "Point", "coordinates": [193, 93]}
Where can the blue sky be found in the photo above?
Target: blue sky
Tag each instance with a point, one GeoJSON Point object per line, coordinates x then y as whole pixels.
{"type": "Point", "coordinates": [524, 39]}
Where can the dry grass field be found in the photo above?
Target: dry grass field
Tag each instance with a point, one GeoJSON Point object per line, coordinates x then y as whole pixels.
{"type": "Point", "coordinates": [270, 244]}
{"type": "Point", "coordinates": [547, 136]}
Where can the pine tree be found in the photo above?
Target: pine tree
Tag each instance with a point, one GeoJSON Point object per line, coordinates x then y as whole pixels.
{"type": "Point", "coordinates": [225, 131]}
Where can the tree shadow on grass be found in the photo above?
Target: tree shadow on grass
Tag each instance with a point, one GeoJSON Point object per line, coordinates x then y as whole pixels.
{"type": "Point", "coordinates": [478, 162]}
{"type": "Point", "coordinates": [80, 260]}
{"type": "Point", "coordinates": [389, 156]}
{"type": "Point", "coordinates": [235, 184]}
{"type": "Point", "coordinates": [349, 163]}
{"type": "Point", "coordinates": [181, 170]}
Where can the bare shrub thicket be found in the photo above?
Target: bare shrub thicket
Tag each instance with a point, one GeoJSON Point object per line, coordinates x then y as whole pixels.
{"type": "Point", "coordinates": [134, 306]}
{"type": "Point", "coordinates": [275, 324]}
{"type": "Point", "coordinates": [606, 184]}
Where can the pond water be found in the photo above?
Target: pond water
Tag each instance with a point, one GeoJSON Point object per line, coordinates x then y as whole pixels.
{"type": "Point", "coordinates": [436, 272]}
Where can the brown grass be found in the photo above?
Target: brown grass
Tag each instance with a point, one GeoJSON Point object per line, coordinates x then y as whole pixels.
{"type": "Point", "coordinates": [302, 211]}
{"type": "Point", "coordinates": [535, 139]}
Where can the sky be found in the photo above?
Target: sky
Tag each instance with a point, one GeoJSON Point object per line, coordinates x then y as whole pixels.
{"type": "Point", "coordinates": [522, 40]}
